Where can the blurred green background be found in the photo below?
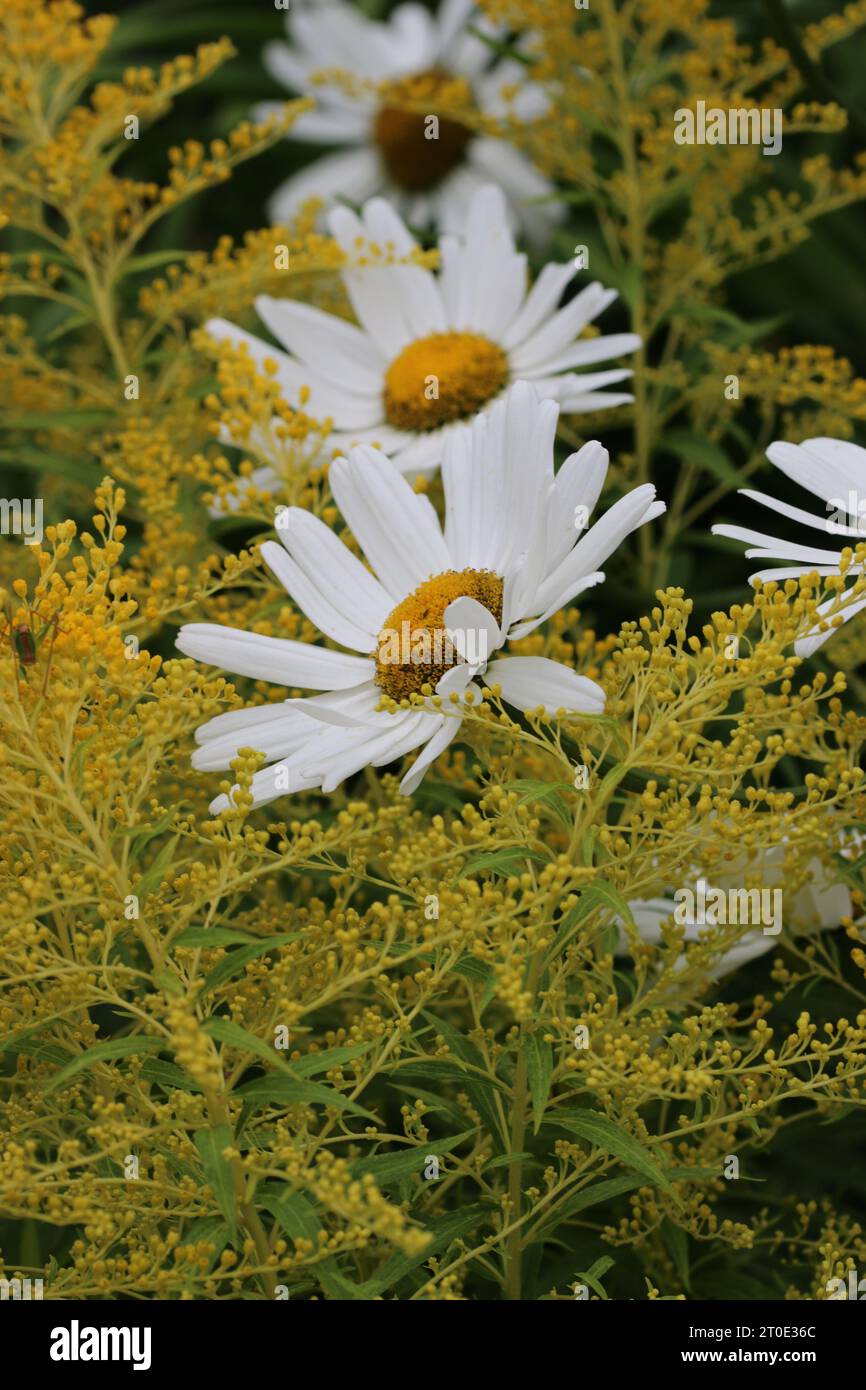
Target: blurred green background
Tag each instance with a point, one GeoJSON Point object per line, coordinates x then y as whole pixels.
{"type": "Point", "coordinates": [820, 289]}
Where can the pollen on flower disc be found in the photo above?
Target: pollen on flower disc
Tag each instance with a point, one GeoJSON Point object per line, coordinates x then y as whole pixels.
{"type": "Point", "coordinates": [442, 378]}
{"type": "Point", "coordinates": [413, 647]}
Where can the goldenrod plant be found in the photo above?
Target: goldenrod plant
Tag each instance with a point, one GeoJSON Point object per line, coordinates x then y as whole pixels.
{"type": "Point", "coordinates": [377, 923]}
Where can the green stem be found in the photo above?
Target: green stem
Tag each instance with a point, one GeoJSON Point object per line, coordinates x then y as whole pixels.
{"type": "Point", "coordinates": [636, 238]}
{"type": "Point", "coordinates": [514, 1246]}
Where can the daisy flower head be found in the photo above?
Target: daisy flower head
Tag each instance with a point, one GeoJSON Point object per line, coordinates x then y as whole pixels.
{"type": "Point", "coordinates": [833, 470]}
{"type": "Point", "coordinates": [428, 166]}
{"type": "Point", "coordinates": [433, 610]}
{"type": "Point", "coordinates": [818, 905]}
{"type": "Point", "coordinates": [430, 351]}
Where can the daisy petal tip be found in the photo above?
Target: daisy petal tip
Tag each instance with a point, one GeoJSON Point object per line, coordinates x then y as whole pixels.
{"type": "Point", "coordinates": [805, 647]}
{"type": "Point", "coordinates": [270, 548]}
{"type": "Point", "coordinates": [521, 393]}
{"type": "Point", "coordinates": [410, 783]}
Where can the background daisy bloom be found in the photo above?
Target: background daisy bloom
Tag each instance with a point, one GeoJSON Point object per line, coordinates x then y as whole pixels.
{"type": "Point", "coordinates": [388, 150]}
{"type": "Point", "coordinates": [432, 351]}
{"type": "Point", "coordinates": [436, 607]}
{"type": "Point", "coordinates": [818, 906]}
{"type": "Point", "coordinates": [835, 471]}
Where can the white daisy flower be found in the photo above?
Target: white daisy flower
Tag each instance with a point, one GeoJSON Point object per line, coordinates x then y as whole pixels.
{"type": "Point", "coordinates": [431, 351]}
{"type": "Point", "coordinates": [819, 905]}
{"type": "Point", "coordinates": [432, 610]}
{"type": "Point", "coordinates": [835, 471]}
{"type": "Point", "coordinates": [388, 150]}
{"type": "Point", "coordinates": [650, 916]}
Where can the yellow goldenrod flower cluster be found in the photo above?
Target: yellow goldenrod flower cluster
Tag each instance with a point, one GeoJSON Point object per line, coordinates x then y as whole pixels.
{"type": "Point", "coordinates": [344, 1042]}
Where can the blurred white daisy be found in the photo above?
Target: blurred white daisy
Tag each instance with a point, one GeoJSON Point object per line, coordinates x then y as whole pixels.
{"type": "Point", "coordinates": [432, 350]}
{"type": "Point", "coordinates": [835, 471]}
{"type": "Point", "coordinates": [389, 150]}
{"type": "Point", "coordinates": [819, 905]}
{"type": "Point", "coordinates": [432, 610]}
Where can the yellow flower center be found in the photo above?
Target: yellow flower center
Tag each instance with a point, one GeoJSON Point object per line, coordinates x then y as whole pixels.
{"type": "Point", "coordinates": [418, 150]}
{"type": "Point", "coordinates": [413, 647]}
{"type": "Point", "coordinates": [448, 376]}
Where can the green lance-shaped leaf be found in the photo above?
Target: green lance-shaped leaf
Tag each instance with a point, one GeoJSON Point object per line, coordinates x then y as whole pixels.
{"type": "Point", "coordinates": [217, 1170]}
{"type": "Point", "coordinates": [605, 1134]}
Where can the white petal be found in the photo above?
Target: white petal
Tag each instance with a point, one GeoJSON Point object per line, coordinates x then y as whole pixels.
{"type": "Point", "coordinates": [585, 351]}
{"type": "Point", "coordinates": [283, 732]}
{"type": "Point", "coordinates": [274, 730]}
{"type": "Point", "coordinates": [579, 403]}
{"type": "Point", "coordinates": [515, 458]}
{"type": "Point", "coordinates": [530, 681]}
{"type": "Point", "coordinates": [237, 720]}
{"type": "Point", "coordinates": [284, 65]}
{"type": "Point", "coordinates": [809, 644]}
{"type": "Point", "coordinates": [339, 35]}
{"type": "Point", "coordinates": [350, 588]}
{"type": "Point", "coordinates": [578, 484]}
{"type": "Point", "coordinates": [829, 468]}
{"type": "Point", "coordinates": [772, 548]}
{"type": "Point", "coordinates": [470, 55]}
{"type": "Point", "coordinates": [353, 174]}
{"type": "Point", "coordinates": [376, 747]}
{"type": "Point", "coordinates": [561, 330]}
{"type": "Point", "coordinates": [559, 600]}
{"type": "Point", "coordinates": [649, 915]}
{"type": "Point", "coordinates": [456, 679]}
{"type": "Point", "coordinates": [325, 400]}
{"type": "Point", "coordinates": [422, 454]}
{"type": "Point", "coordinates": [348, 708]}
{"type": "Point", "coordinates": [472, 629]}
{"type": "Point", "coordinates": [445, 734]}
{"type": "Point", "coordinates": [540, 303]}
{"type": "Point", "coordinates": [459, 484]}
{"type": "Point", "coordinates": [395, 304]}
{"type": "Point", "coordinates": [414, 40]}
{"type": "Point", "coordinates": [821, 904]}
{"type": "Point", "coordinates": [776, 573]}
{"type": "Point", "coordinates": [818, 523]}
{"type": "Point", "coordinates": [417, 289]}
{"type": "Point", "coordinates": [566, 386]}
{"type": "Point", "coordinates": [452, 18]}
{"type": "Point", "coordinates": [264, 788]}
{"type": "Point", "coordinates": [260, 480]}
{"type": "Point", "coordinates": [483, 277]}
{"type": "Point", "coordinates": [499, 162]}
{"type": "Point", "coordinates": [392, 524]}
{"type": "Point", "coordinates": [601, 540]}
{"type": "Point", "coordinates": [276, 659]}
{"type": "Point", "coordinates": [451, 201]}
{"type": "Point", "coordinates": [335, 350]}
{"type": "Point", "coordinates": [843, 457]}
{"type": "Point", "coordinates": [749, 947]}
{"type": "Point", "coordinates": [307, 592]}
